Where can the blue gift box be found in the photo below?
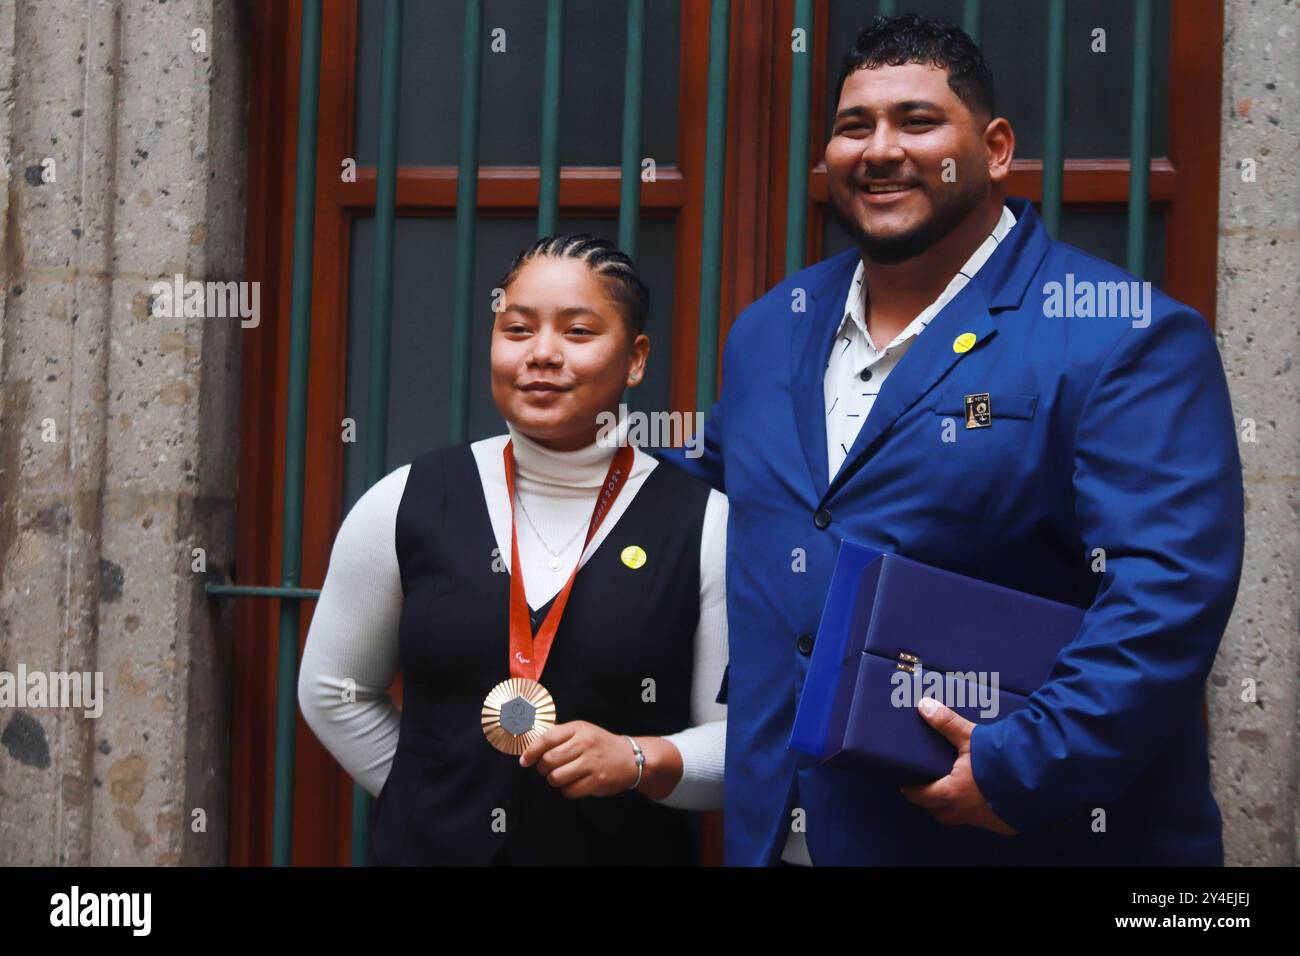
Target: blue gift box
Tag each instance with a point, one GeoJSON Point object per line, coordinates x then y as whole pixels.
{"type": "Point", "coordinates": [893, 631]}
{"type": "Point", "coordinates": [812, 733]}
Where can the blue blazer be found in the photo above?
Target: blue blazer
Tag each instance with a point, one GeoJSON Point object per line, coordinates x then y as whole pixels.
{"type": "Point", "coordinates": [1111, 433]}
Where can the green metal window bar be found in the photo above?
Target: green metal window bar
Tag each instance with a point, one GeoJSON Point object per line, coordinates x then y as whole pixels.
{"type": "Point", "coordinates": [289, 593]}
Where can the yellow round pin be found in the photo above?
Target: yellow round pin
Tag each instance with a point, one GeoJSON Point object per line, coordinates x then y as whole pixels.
{"type": "Point", "coordinates": [964, 342]}
{"type": "Point", "coordinates": [633, 556]}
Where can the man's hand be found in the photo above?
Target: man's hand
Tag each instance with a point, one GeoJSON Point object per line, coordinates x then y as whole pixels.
{"type": "Point", "coordinates": [582, 760]}
{"type": "Point", "coordinates": [956, 798]}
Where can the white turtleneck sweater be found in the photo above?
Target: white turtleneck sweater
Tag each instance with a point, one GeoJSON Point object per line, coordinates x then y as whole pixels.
{"type": "Point", "coordinates": [354, 630]}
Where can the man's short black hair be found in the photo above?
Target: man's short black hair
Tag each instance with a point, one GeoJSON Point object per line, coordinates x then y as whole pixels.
{"type": "Point", "coordinates": [893, 41]}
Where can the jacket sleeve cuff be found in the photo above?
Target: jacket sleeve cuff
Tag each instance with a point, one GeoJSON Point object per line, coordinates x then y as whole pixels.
{"type": "Point", "coordinates": [995, 772]}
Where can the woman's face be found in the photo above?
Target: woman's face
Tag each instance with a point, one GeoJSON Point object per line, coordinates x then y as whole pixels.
{"type": "Point", "coordinates": [561, 353]}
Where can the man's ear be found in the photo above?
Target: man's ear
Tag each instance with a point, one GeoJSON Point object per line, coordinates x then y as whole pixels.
{"type": "Point", "coordinates": [1000, 147]}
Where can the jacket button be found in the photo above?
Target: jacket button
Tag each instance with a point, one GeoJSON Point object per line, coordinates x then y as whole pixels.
{"type": "Point", "coordinates": [805, 644]}
{"type": "Point", "coordinates": [822, 518]}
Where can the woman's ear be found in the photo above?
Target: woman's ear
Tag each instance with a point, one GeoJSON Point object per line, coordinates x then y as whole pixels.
{"type": "Point", "coordinates": [640, 354]}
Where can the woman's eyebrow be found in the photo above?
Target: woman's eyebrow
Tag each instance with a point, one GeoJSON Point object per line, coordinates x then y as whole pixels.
{"type": "Point", "coordinates": [566, 313]}
{"type": "Point", "coordinates": [573, 310]}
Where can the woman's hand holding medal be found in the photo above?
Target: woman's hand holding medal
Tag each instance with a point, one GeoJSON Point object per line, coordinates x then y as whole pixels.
{"type": "Point", "coordinates": [583, 760]}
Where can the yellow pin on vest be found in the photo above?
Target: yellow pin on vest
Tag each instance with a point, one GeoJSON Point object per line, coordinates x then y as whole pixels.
{"type": "Point", "coordinates": [633, 556]}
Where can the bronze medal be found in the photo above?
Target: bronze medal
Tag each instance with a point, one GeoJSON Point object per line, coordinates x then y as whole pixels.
{"type": "Point", "coordinates": [515, 713]}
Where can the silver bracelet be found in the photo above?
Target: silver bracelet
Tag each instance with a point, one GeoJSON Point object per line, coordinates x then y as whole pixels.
{"type": "Point", "coordinates": [640, 761]}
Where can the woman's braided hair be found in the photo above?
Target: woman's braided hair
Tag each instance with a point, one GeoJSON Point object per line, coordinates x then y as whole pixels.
{"type": "Point", "coordinates": [603, 258]}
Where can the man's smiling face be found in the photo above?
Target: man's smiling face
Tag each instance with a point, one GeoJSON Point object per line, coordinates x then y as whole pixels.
{"type": "Point", "coordinates": [895, 126]}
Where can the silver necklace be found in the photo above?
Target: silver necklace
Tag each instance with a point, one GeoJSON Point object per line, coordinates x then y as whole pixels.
{"type": "Point", "coordinates": [554, 562]}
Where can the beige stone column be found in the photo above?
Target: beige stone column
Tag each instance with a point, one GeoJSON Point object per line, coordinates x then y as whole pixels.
{"type": "Point", "coordinates": [122, 162]}
{"type": "Point", "coordinates": [1253, 688]}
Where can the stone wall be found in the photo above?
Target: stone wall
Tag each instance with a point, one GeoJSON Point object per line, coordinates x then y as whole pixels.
{"type": "Point", "coordinates": [122, 162]}
{"type": "Point", "coordinates": [1254, 743]}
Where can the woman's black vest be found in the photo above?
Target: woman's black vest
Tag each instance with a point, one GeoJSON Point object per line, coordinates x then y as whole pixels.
{"type": "Point", "coordinates": [623, 659]}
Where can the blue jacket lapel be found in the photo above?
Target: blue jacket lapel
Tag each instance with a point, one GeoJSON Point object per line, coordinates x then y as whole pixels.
{"type": "Point", "coordinates": [809, 352]}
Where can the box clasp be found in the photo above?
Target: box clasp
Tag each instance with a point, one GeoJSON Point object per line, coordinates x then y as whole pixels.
{"type": "Point", "coordinates": [908, 662]}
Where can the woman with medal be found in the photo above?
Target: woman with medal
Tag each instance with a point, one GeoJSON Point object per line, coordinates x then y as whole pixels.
{"type": "Point", "coordinates": [554, 599]}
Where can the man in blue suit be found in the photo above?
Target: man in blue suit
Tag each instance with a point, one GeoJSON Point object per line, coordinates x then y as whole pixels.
{"type": "Point", "coordinates": [962, 390]}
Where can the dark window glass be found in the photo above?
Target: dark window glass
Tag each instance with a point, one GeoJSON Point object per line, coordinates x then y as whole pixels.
{"type": "Point", "coordinates": [591, 121]}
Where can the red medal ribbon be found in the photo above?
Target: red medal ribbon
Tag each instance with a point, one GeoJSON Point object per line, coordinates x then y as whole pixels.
{"type": "Point", "coordinates": [528, 653]}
